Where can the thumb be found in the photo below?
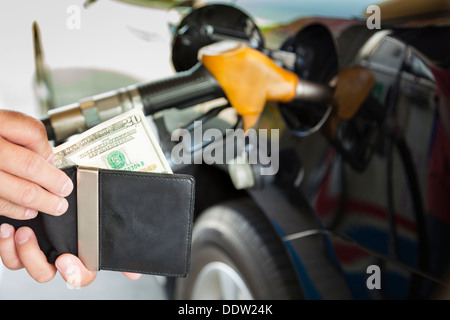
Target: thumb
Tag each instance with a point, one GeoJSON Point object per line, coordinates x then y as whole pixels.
{"type": "Point", "coordinates": [73, 271]}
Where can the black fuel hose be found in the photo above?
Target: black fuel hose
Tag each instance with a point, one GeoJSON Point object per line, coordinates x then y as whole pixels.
{"type": "Point", "coordinates": [182, 90]}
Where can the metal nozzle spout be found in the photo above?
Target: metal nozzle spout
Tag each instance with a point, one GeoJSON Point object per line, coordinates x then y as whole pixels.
{"type": "Point", "coordinates": [313, 92]}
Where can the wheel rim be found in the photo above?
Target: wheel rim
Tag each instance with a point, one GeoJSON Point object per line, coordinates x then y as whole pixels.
{"type": "Point", "coordinates": [218, 280]}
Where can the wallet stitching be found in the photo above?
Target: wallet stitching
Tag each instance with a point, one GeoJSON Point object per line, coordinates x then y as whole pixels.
{"type": "Point", "coordinates": [100, 221]}
{"type": "Point", "coordinates": [186, 252]}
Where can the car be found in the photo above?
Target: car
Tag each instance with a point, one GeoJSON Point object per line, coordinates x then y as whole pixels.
{"type": "Point", "coordinates": [346, 215]}
{"type": "Point", "coordinates": [355, 207]}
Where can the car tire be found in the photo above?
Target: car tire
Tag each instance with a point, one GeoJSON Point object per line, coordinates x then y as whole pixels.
{"type": "Point", "coordinates": [236, 254]}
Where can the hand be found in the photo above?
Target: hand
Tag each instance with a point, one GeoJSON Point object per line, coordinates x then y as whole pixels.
{"type": "Point", "coordinates": [29, 183]}
{"type": "Point", "coordinates": [20, 249]}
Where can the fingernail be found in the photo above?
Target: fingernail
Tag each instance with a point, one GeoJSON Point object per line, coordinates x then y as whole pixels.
{"type": "Point", "coordinates": [66, 266]}
{"type": "Point", "coordinates": [62, 206]}
{"type": "Point", "coordinates": [30, 213]}
{"type": "Point", "coordinates": [22, 235]}
{"type": "Point", "coordinates": [66, 187]}
{"type": "Point", "coordinates": [5, 231]}
{"type": "Point", "coordinates": [132, 276]}
{"type": "Point", "coordinates": [70, 271]}
{"type": "Point", "coordinates": [50, 159]}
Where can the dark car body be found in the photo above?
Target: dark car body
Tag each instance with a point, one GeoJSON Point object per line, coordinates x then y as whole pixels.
{"type": "Point", "coordinates": [341, 223]}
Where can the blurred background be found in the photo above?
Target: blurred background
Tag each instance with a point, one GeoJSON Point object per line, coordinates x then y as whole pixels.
{"type": "Point", "coordinates": [110, 43]}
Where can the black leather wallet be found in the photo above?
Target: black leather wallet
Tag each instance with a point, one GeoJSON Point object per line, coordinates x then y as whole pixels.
{"type": "Point", "coordinates": [122, 221]}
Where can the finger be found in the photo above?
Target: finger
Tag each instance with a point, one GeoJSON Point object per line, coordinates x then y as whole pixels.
{"type": "Point", "coordinates": [13, 211]}
{"type": "Point", "coordinates": [132, 276]}
{"type": "Point", "coordinates": [8, 251]}
{"type": "Point", "coordinates": [30, 166]}
{"type": "Point", "coordinates": [73, 271]}
{"type": "Point", "coordinates": [33, 259]}
{"type": "Point", "coordinates": [26, 131]}
{"type": "Point", "coordinates": [30, 195]}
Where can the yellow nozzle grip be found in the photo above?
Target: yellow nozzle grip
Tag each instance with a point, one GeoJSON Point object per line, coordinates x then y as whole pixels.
{"type": "Point", "coordinates": [249, 79]}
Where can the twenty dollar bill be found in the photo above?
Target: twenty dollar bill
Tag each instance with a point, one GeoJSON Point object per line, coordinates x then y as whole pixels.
{"type": "Point", "coordinates": [125, 142]}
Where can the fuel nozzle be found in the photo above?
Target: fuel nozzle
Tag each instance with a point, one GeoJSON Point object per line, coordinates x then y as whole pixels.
{"type": "Point", "coordinates": [249, 79]}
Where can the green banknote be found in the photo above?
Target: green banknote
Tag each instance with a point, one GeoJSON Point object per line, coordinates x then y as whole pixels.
{"type": "Point", "coordinates": [125, 142]}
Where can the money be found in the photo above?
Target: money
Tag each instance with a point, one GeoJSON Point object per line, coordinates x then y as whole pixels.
{"type": "Point", "coordinates": [125, 142]}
